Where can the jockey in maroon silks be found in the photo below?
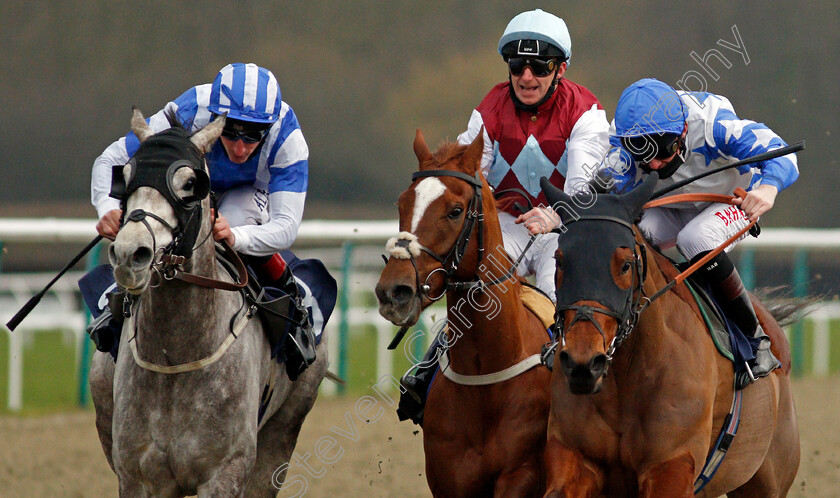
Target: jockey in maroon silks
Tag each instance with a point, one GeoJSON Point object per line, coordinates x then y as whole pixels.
{"type": "Point", "coordinates": [537, 124]}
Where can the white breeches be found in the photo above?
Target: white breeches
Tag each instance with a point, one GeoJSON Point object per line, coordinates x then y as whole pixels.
{"type": "Point", "coordinates": [244, 205]}
{"type": "Point", "coordinates": [693, 230]}
{"type": "Point", "coordinates": [539, 260]}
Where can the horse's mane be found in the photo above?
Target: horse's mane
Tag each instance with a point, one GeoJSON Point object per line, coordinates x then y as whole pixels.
{"type": "Point", "coordinates": [448, 151]}
{"type": "Point", "coordinates": [174, 122]}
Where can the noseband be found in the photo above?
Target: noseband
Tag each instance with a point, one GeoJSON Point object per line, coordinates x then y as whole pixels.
{"type": "Point", "coordinates": [407, 246]}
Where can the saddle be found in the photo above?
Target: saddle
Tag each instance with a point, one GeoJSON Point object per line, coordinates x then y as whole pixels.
{"type": "Point", "coordinates": [284, 318]}
{"type": "Point", "coordinates": [538, 303]}
{"type": "Point", "coordinates": [729, 343]}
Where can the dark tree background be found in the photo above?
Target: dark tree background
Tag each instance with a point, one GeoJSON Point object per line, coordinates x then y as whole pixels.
{"type": "Point", "coordinates": [363, 75]}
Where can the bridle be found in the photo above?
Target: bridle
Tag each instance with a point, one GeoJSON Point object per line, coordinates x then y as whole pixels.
{"type": "Point", "coordinates": [167, 262]}
{"type": "Point", "coordinates": [637, 301]}
{"type": "Point", "coordinates": [449, 264]}
{"type": "Point", "coordinates": [634, 303]}
{"type": "Point", "coordinates": [407, 246]}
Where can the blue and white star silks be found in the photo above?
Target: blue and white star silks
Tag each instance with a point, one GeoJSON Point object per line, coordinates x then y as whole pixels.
{"type": "Point", "coordinates": [716, 136]}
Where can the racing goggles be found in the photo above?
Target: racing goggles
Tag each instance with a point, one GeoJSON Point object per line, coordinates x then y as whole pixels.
{"type": "Point", "coordinates": [251, 136]}
{"type": "Point", "coordinates": [645, 148]}
{"type": "Point", "coordinates": [540, 67]}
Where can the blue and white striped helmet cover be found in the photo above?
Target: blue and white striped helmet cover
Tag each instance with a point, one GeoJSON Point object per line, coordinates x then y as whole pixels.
{"type": "Point", "coordinates": [246, 92]}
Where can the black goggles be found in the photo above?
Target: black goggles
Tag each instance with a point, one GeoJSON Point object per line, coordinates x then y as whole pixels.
{"type": "Point", "coordinates": [247, 136]}
{"type": "Point", "coordinates": [645, 148]}
{"type": "Point", "coordinates": [540, 67]}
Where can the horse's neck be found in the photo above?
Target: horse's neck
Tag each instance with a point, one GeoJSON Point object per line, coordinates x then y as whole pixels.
{"type": "Point", "coordinates": [177, 316]}
{"type": "Point", "coordinates": [650, 329]}
{"type": "Point", "coordinates": [487, 326]}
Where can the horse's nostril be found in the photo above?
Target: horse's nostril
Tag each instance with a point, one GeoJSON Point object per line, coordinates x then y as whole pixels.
{"type": "Point", "coordinates": [402, 293]}
{"type": "Point", "coordinates": [141, 257]}
{"type": "Point", "coordinates": [598, 364]}
{"type": "Point", "coordinates": [566, 362]}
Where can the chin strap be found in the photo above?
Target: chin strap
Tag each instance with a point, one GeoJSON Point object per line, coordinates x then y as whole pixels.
{"type": "Point", "coordinates": [533, 108]}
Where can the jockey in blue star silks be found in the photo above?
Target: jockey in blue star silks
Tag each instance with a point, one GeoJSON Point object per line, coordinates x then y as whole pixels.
{"type": "Point", "coordinates": [537, 124]}
{"type": "Point", "coordinates": [258, 168]}
{"type": "Point", "coordinates": [679, 135]}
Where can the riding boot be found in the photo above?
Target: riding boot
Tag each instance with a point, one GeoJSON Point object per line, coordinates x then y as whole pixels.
{"type": "Point", "coordinates": [735, 301]}
{"type": "Point", "coordinates": [105, 330]}
{"type": "Point", "coordinates": [416, 386]}
{"type": "Point", "coordinates": [299, 341]}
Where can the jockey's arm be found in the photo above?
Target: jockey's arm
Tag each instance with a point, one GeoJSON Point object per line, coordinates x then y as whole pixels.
{"type": "Point", "coordinates": [286, 213]}
{"type": "Point", "coordinates": [758, 201]}
{"type": "Point", "coordinates": [586, 148]}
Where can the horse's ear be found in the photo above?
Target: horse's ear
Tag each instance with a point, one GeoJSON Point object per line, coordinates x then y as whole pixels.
{"type": "Point", "coordinates": [636, 198]}
{"type": "Point", "coordinates": [139, 125]}
{"type": "Point", "coordinates": [474, 151]}
{"type": "Point", "coordinates": [556, 198]}
{"type": "Point", "coordinates": [207, 136]}
{"type": "Point", "coordinates": [421, 150]}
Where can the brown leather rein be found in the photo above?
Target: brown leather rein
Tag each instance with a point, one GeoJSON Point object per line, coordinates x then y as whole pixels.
{"type": "Point", "coordinates": [172, 269]}
{"type": "Point", "coordinates": [700, 197]}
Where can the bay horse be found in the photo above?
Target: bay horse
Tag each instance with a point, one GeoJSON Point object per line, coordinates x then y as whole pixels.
{"type": "Point", "coordinates": [486, 439]}
{"type": "Point", "coordinates": [639, 393]}
{"type": "Point", "coordinates": [183, 410]}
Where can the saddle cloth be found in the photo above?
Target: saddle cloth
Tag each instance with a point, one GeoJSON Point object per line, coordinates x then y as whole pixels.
{"type": "Point", "coordinates": [317, 287]}
{"type": "Point", "coordinates": [539, 304]}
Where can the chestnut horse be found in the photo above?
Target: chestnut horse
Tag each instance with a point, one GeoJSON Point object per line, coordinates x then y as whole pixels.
{"type": "Point", "coordinates": [646, 428]}
{"type": "Point", "coordinates": [486, 439]}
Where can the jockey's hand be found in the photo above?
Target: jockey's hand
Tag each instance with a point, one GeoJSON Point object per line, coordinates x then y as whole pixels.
{"type": "Point", "coordinates": [540, 219]}
{"type": "Point", "coordinates": [221, 230]}
{"type": "Point", "coordinates": [109, 224]}
{"type": "Point", "coordinates": [758, 201]}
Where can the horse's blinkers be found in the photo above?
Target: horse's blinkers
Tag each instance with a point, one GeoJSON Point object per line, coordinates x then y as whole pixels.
{"type": "Point", "coordinates": [595, 283]}
{"type": "Point", "coordinates": [155, 167]}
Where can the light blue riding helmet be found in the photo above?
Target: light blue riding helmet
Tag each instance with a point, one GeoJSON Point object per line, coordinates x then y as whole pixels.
{"type": "Point", "coordinates": [246, 92]}
{"type": "Point", "coordinates": [536, 25]}
{"type": "Point", "coordinates": [649, 107]}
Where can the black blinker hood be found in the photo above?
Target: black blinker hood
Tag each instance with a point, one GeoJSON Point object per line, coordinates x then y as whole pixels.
{"type": "Point", "coordinates": [592, 235]}
{"type": "Point", "coordinates": [154, 165]}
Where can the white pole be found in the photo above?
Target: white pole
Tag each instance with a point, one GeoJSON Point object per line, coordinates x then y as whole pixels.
{"type": "Point", "coordinates": [384, 356]}
{"type": "Point", "coordinates": [822, 347]}
{"type": "Point", "coordinates": [15, 371]}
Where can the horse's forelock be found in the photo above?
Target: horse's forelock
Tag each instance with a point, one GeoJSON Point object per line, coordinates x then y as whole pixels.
{"type": "Point", "coordinates": [447, 156]}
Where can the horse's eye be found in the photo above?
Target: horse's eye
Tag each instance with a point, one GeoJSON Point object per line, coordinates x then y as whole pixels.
{"type": "Point", "coordinates": [626, 267]}
{"type": "Point", "coordinates": [190, 184]}
{"type": "Point", "coordinates": [456, 213]}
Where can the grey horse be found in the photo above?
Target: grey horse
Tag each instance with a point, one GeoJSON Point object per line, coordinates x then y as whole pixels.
{"type": "Point", "coordinates": [177, 414]}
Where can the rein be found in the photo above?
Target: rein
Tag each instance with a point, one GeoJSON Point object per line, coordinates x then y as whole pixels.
{"type": "Point", "coordinates": [407, 246]}
{"type": "Point", "coordinates": [724, 199]}
{"type": "Point", "coordinates": [173, 269]}
{"type": "Point", "coordinates": [637, 302]}
{"type": "Point", "coordinates": [171, 264]}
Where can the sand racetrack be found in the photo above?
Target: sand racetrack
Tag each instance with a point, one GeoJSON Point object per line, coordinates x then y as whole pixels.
{"type": "Point", "coordinates": [60, 455]}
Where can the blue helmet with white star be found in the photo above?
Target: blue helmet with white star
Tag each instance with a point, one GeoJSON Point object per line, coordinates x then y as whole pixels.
{"type": "Point", "coordinates": [536, 33]}
{"type": "Point", "coordinates": [649, 107]}
{"type": "Point", "coordinates": [246, 92]}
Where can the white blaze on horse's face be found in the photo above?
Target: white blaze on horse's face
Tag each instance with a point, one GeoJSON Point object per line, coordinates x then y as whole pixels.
{"type": "Point", "coordinates": [425, 193]}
